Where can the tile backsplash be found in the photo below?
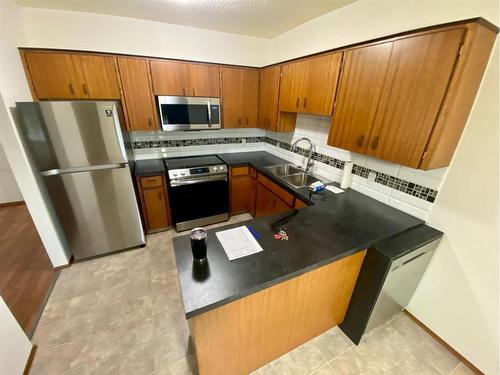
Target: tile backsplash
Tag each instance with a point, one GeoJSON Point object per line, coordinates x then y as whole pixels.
{"type": "Point", "coordinates": [410, 190]}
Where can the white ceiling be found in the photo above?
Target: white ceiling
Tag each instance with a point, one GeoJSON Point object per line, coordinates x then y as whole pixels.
{"type": "Point", "coordinates": [261, 18]}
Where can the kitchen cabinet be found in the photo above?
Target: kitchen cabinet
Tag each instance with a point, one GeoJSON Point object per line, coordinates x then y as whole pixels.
{"type": "Point", "coordinates": [267, 203]}
{"type": "Point", "coordinates": [269, 86]}
{"type": "Point", "coordinates": [154, 202]}
{"type": "Point", "coordinates": [300, 204]}
{"type": "Point", "coordinates": [61, 75]}
{"type": "Point", "coordinates": [271, 198]}
{"type": "Point", "coordinates": [419, 72]}
{"type": "Point", "coordinates": [243, 190]}
{"type": "Point", "coordinates": [391, 93]}
{"type": "Point", "coordinates": [359, 93]}
{"type": "Point", "coordinates": [309, 85]}
{"type": "Point", "coordinates": [240, 91]}
{"type": "Point", "coordinates": [184, 79]}
{"type": "Point", "coordinates": [138, 98]}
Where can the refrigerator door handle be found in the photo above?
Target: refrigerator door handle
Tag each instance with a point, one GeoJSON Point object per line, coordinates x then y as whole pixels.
{"type": "Point", "coordinates": [119, 136]}
{"type": "Point", "coordinates": [57, 172]}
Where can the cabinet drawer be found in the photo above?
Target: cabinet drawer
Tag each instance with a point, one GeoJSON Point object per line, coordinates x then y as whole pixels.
{"type": "Point", "coordinates": [284, 195]}
{"type": "Point", "coordinates": [153, 181]}
{"type": "Point", "coordinates": [239, 171]}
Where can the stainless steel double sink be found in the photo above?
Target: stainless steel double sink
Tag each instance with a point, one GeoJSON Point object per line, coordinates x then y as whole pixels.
{"type": "Point", "coordinates": [293, 175]}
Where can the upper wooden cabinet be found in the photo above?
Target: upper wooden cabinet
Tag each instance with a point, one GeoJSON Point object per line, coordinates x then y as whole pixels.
{"type": "Point", "coordinates": [139, 102]}
{"type": "Point", "coordinates": [72, 76]}
{"type": "Point", "coordinates": [309, 85]}
{"type": "Point", "coordinates": [269, 86]}
{"type": "Point", "coordinates": [391, 93]}
{"type": "Point", "coordinates": [419, 72]}
{"type": "Point", "coordinates": [183, 79]}
{"type": "Point", "coordinates": [240, 90]}
{"type": "Point", "coordinates": [359, 93]}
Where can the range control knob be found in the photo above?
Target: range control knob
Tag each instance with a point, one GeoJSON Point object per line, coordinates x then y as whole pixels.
{"type": "Point", "coordinates": [221, 168]}
{"type": "Point", "coordinates": [183, 173]}
{"type": "Point", "coordinates": [174, 174]}
{"type": "Point", "coordinates": [215, 169]}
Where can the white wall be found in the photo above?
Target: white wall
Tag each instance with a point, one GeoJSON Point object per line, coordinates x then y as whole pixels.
{"type": "Point", "coordinates": [459, 295]}
{"type": "Point", "coordinates": [369, 19]}
{"type": "Point", "coordinates": [14, 87]}
{"type": "Point", "coordinates": [88, 31]}
{"type": "Point", "coordinates": [15, 347]}
{"type": "Point", "coordinates": [9, 191]}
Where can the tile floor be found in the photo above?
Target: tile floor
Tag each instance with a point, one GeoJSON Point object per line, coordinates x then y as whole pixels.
{"type": "Point", "coordinates": [122, 314]}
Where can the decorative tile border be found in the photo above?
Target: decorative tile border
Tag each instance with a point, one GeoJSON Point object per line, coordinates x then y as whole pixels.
{"type": "Point", "coordinates": [392, 182]}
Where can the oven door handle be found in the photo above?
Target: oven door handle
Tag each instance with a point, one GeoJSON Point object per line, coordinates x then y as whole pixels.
{"type": "Point", "coordinates": [209, 113]}
{"type": "Point", "coordinates": [175, 183]}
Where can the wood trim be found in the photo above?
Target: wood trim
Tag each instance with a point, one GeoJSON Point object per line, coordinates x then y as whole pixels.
{"type": "Point", "coordinates": [27, 72]}
{"type": "Point", "coordinates": [256, 329]}
{"type": "Point", "coordinates": [31, 357]}
{"type": "Point", "coordinates": [15, 203]}
{"type": "Point", "coordinates": [239, 171]}
{"type": "Point", "coordinates": [479, 20]}
{"type": "Point", "coordinates": [444, 343]}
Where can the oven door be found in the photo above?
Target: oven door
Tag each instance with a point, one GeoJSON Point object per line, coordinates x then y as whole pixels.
{"type": "Point", "coordinates": [199, 202]}
{"type": "Point", "coordinates": [189, 113]}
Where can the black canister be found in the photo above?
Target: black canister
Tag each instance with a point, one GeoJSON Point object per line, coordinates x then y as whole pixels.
{"type": "Point", "coordinates": [198, 239]}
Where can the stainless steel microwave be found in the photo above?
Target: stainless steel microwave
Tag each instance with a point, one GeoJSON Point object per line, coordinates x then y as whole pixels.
{"type": "Point", "coordinates": [189, 113]}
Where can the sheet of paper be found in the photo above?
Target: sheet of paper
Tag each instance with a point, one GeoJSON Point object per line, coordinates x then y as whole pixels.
{"type": "Point", "coordinates": [238, 242]}
{"type": "Point", "coordinates": [334, 189]}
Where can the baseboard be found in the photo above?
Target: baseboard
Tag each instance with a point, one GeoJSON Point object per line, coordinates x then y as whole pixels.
{"type": "Point", "coordinates": [7, 204]}
{"type": "Point", "coordinates": [27, 368]}
{"type": "Point", "coordinates": [445, 344]}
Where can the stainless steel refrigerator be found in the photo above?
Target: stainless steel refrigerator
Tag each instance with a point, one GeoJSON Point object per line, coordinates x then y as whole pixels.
{"type": "Point", "coordinates": [79, 150]}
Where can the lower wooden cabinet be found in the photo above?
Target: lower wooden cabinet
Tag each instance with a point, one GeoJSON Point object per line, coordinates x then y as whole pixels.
{"type": "Point", "coordinates": [243, 189]}
{"type": "Point", "coordinates": [268, 203]}
{"type": "Point", "coordinates": [154, 202]}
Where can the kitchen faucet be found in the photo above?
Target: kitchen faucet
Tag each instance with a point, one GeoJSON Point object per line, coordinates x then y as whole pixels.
{"type": "Point", "coordinates": [309, 162]}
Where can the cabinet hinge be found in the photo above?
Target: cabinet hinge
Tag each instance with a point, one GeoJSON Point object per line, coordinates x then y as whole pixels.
{"type": "Point", "coordinates": [461, 50]}
{"type": "Point", "coordinates": [424, 155]}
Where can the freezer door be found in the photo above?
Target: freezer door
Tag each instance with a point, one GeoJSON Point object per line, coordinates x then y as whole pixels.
{"type": "Point", "coordinates": [97, 210]}
{"type": "Point", "coordinates": [62, 135]}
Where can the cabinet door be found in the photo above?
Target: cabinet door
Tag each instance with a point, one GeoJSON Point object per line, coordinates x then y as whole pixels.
{"type": "Point", "coordinates": [53, 75]}
{"type": "Point", "coordinates": [269, 84]}
{"type": "Point", "coordinates": [321, 84]}
{"type": "Point", "coordinates": [137, 93]}
{"type": "Point", "coordinates": [204, 80]}
{"type": "Point", "coordinates": [267, 203]}
{"type": "Point", "coordinates": [169, 78]}
{"type": "Point", "coordinates": [98, 76]}
{"type": "Point", "coordinates": [293, 85]}
{"type": "Point", "coordinates": [242, 189]}
{"type": "Point", "coordinates": [240, 90]}
{"type": "Point", "coordinates": [359, 94]}
{"type": "Point", "coordinates": [419, 71]}
{"type": "Point", "coordinates": [156, 208]}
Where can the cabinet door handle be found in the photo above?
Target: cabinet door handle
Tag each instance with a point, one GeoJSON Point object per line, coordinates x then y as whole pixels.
{"type": "Point", "coordinates": [183, 91]}
{"type": "Point", "coordinates": [160, 196]}
{"type": "Point", "coordinates": [360, 140]}
{"type": "Point", "coordinates": [150, 123]}
{"type": "Point", "coordinates": [239, 120]}
{"type": "Point", "coordinates": [305, 102]}
{"type": "Point", "coordinates": [194, 94]}
{"type": "Point", "coordinates": [375, 143]}
{"type": "Point", "coordinates": [85, 89]}
{"type": "Point", "coordinates": [298, 102]}
{"type": "Point", "coordinates": [247, 120]}
{"type": "Point", "coordinates": [71, 90]}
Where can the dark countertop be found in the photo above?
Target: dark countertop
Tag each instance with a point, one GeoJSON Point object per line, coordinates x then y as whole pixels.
{"type": "Point", "coordinates": [149, 167]}
{"type": "Point", "coordinates": [335, 226]}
